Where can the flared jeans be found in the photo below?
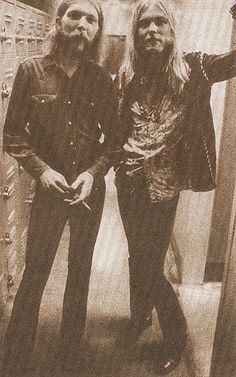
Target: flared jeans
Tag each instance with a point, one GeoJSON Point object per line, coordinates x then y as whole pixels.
{"type": "Point", "coordinates": [49, 215]}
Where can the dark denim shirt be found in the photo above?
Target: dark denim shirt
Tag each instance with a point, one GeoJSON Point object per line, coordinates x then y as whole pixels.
{"type": "Point", "coordinates": [68, 124]}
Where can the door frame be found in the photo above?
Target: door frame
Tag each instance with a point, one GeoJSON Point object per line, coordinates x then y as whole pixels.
{"type": "Point", "coordinates": [224, 349]}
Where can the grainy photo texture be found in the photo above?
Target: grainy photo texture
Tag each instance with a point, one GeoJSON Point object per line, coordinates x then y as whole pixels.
{"type": "Point", "coordinates": [117, 188]}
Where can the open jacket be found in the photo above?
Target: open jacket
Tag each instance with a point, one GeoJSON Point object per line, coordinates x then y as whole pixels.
{"type": "Point", "coordinates": [196, 162]}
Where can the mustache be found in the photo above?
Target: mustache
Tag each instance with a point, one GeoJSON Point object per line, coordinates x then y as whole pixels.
{"type": "Point", "coordinates": [152, 38]}
{"type": "Point", "coordinates": [76, 38]}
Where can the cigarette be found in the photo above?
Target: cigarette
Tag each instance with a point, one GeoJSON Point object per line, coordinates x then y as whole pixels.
{"type": "Point", "coordinates": [86, 205]}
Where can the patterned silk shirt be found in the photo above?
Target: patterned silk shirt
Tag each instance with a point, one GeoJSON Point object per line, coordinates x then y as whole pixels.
{"type": "Point", "coordinates": [153, 144]}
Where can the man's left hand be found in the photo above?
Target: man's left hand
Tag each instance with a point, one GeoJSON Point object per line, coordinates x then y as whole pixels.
{"type": "Point", "coordinates": [83, 187]}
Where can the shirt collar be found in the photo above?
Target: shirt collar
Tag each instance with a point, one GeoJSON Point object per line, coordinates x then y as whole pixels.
{"type": "Point", "coordinates": [51, 60]}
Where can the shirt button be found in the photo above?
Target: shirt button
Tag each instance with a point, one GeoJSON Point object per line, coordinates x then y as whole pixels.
{"type": "Point", "coordinates": [71, 143]}
{"type": "Point", "coordinates": [70, 123]}
{"type": "Point", "coordinates": [69, 102]}
{"type": "Point", "coordinates": [74, 163]}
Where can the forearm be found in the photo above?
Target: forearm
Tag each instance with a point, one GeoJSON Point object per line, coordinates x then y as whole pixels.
{"type": "Point", "coordinates": [221, 67]}
{"type": "Point", "coordinates": [16, 142]}
{"type": "Point", "coordinates": [103, 163]}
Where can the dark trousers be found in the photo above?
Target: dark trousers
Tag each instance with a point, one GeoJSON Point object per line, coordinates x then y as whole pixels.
{"type": "Point", "coordinates": [47, 221]}
{"type": "Point", "coordinates": [148, 229]}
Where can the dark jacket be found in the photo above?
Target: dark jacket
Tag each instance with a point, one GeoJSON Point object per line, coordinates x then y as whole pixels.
{"type": "Point", "coordinates": [196, 162]}
{"type": "Point", "coordinates": [69, 124]}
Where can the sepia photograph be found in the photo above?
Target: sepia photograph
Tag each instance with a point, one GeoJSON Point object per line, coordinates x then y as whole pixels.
{"type": "Point", "coordinates": [117, 188]}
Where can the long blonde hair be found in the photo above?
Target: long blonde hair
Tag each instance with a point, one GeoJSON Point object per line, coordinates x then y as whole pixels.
{"type": "Point", "coordinates": [51, 43]}
{"type": "Point", "coordinates": [177, 68]}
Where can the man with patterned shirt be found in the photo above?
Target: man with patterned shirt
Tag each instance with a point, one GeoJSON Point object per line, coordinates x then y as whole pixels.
{"type": "Point", "coordinates": [169, 146]}
{"type": "Point", "coordinates": [61, 105]}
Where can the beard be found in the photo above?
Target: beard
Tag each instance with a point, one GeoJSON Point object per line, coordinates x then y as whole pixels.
{"type": "Point", "coordinates": [76, 44]}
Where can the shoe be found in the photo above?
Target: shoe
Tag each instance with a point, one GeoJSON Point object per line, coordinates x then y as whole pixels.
{"type": "Point", "coordinates": [162, 357]}
{"type": "Point", "coordinates": [166, 365]}
{"type": "Point", "coordinates": [132, 332]}
{"type": "Point", "coordinates": [168, 357]}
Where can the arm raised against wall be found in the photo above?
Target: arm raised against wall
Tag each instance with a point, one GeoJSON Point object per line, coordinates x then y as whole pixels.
{"type": "Point", "coordinates": [220, 67]}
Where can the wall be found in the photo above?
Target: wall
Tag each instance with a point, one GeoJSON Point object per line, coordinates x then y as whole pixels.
{"type": "Point", "coordinates": [44, 5]}
{"type": "Point", "coordinates": [223, 358]}
{"type": "Point", "coordinates": [226, 174]}
{"type": "Point", "coordinates": [204, 26]}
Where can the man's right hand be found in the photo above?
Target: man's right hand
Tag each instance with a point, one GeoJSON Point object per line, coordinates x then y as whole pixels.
{"type": "Point", "coordinates": [52, 180]}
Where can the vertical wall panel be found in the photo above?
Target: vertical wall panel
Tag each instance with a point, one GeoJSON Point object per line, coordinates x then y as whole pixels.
{"type": "Point", "coordinates": [223, 359]}
{"type": "Point", "coordinates": [226, 174]}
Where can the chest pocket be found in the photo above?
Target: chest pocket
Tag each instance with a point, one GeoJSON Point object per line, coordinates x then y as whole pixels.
{"type": "Point", "coordinates": [45, 110]}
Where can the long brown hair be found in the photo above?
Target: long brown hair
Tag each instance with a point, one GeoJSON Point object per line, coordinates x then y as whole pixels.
{"type": "Point", "coordinates": [51, 40]}
{"type": "Point", "coordinates": [177, 68]}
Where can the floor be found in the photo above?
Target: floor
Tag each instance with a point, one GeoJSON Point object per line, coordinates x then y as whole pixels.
{"type": "Point", "coordinates": [108, 311]}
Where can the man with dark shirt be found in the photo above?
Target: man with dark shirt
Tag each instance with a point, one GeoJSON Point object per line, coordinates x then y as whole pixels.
{"type": "Point", "coordinates": [60, 126]}
{"type": "Point", "coordinates": [169, 146]}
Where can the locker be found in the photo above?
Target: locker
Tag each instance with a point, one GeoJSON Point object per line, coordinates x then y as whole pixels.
{"type": "Point", "coordinates": [26, 184]}
{"type": "Point", "coordinates": [7, 26]}
{"type": "Point", "coordinates": [25, 197]}
{"type": "Point", "coordinates": [47, 25]}
{"type": "Point", "coordinates": [8, 67]}
{"type": "Point", "coordinates": [3, 257]}
{"type": "Point", "coordinates": [11, 213]}
{"type": "Point", "coordinates": [41, 31]}
{"type": "Point", "coordinates": [20, 32]}
{"type": "Point", "coordinates": [31, 30]}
